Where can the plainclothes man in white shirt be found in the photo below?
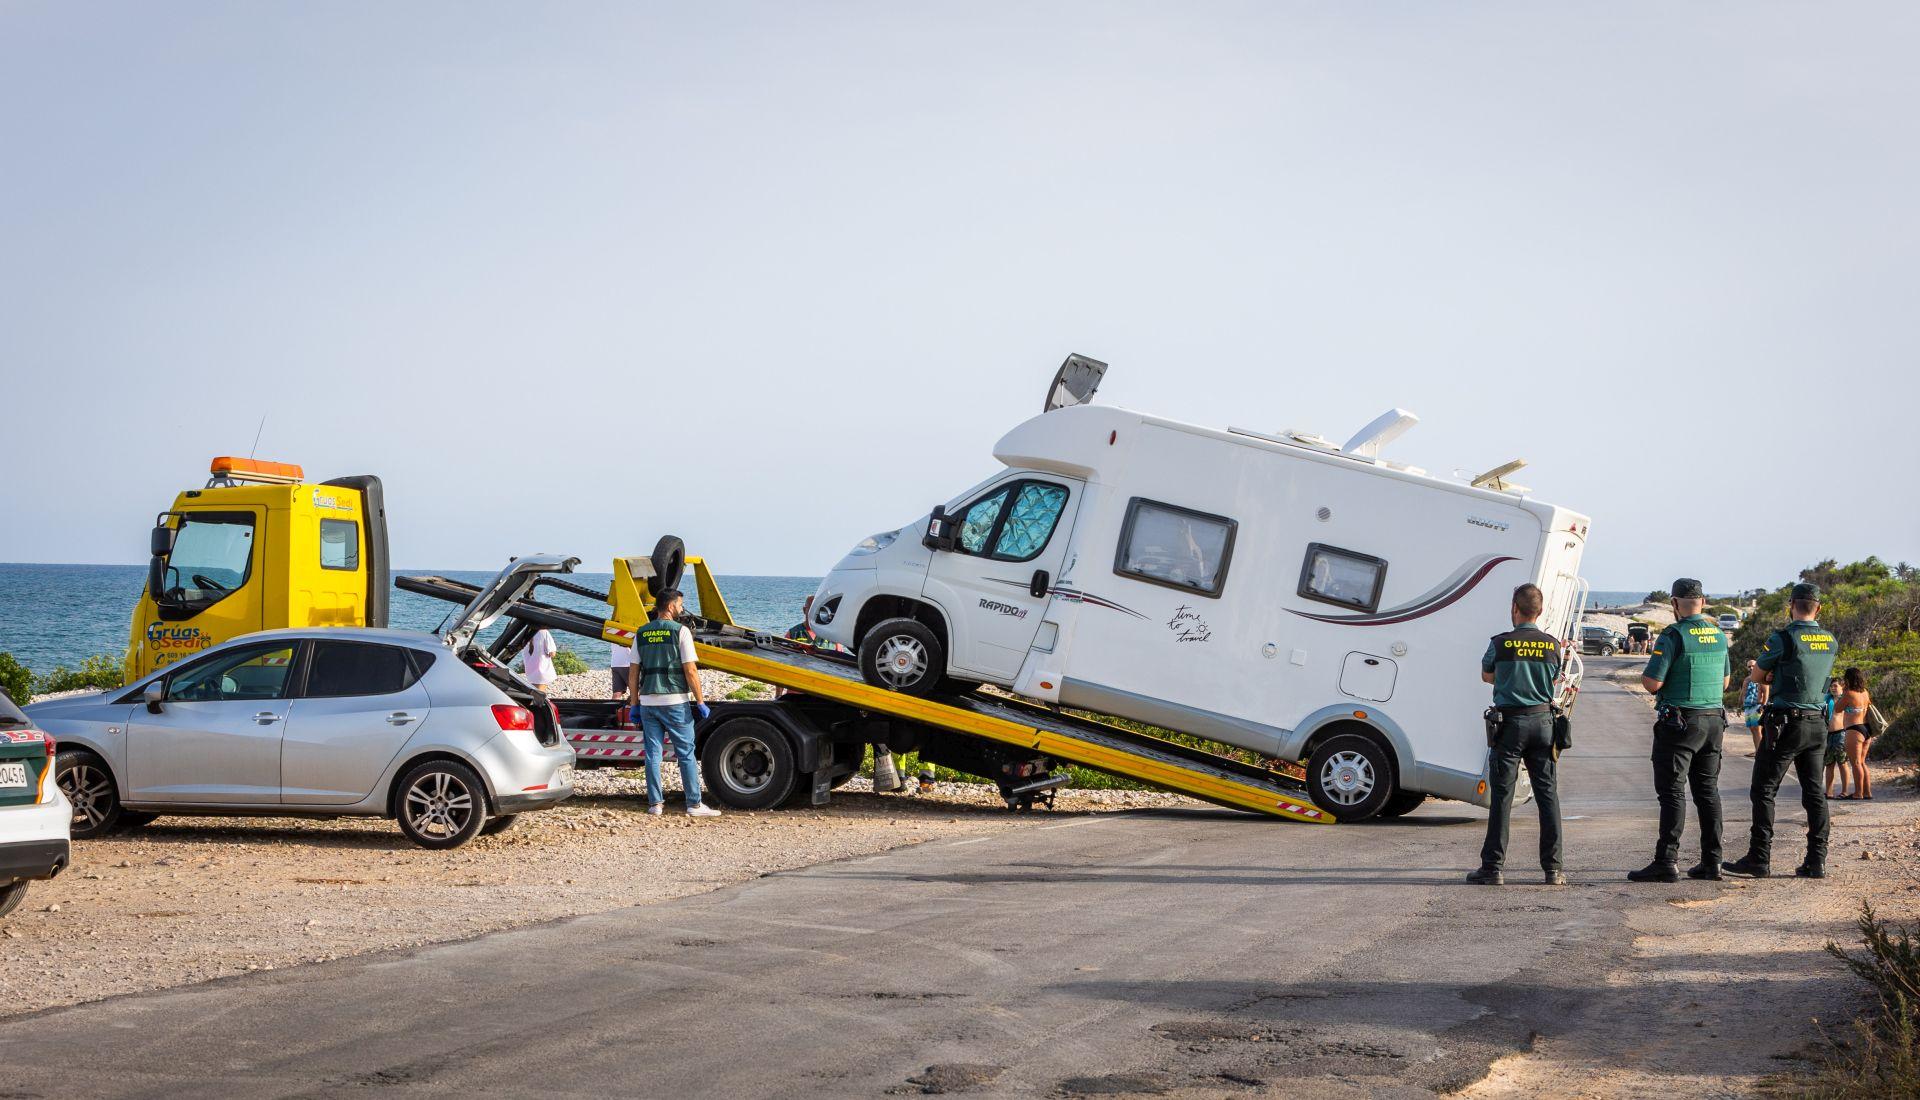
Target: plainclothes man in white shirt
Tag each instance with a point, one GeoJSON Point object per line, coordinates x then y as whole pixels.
{"type": "Point", "coordinates": [667, 689]}
{"type": "Point", "coordinates": [537, 660]}
{"type": "Point", "coordinates": [620, 662]}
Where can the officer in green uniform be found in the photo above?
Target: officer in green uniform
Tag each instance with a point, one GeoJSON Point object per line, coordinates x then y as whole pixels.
{"type": "Point", "coordinates": [667, 695]}
{"type": "Point", "coordinates": [1687, 675]}
{"type": "Point", "coordinates": [1796, 662]}
{"type": "Point", "coordinates": [1522, 665]}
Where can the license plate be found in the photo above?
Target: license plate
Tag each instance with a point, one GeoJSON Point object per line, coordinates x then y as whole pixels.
{"type": "Point", "coordinates": [13, 774]}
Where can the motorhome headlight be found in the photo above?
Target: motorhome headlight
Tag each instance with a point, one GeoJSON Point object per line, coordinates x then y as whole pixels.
{"type": "Point", "coordinates": [873, 544]}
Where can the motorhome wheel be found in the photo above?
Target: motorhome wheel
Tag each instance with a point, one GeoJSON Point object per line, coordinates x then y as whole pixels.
{"type": "Point", "coordinates": [1402, 803]}
{"type": "Point", "coordinates": [903, 655]}
{"type": "Point", "coordinates": [748, 765]}
{"type": "Point", "coordinates": [1351, 776]}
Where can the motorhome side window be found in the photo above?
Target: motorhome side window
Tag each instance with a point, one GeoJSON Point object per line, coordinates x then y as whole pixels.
{"type": "Point", "coordinates": [1014, 522]}
{"type": "Point", "coordinates": [1174, 546]}
{"type": "Point", "coordinates": [1343, 577]}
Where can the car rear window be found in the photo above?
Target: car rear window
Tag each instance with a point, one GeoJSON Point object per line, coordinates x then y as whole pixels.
{"type": "Point", "coordinates": [340, 669]}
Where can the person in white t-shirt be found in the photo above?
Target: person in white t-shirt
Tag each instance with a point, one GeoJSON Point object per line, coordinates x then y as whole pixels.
{"type": "Point", "coordinates": [620, 662]}
{"type": "Point", "coordinates": [537, 659]}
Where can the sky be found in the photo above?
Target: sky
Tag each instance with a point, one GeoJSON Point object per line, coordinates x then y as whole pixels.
{"type": "Point", "coordinates": [773, 277]}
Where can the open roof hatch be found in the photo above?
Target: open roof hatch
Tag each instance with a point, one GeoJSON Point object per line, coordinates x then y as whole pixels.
{"type": "Point", "coordinates": [1379, 432]}
{"type": "Point", "coordinates": [1075, 383]}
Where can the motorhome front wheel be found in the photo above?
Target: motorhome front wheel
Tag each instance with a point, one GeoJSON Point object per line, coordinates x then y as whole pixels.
{"type": "Point", "coordinates": [902, 655]}
{"type": "Point", "coordinates": [1351, 776]}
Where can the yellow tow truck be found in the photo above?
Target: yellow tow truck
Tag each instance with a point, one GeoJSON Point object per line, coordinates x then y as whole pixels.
{"type": "Point", "coordinates": [259, 548]}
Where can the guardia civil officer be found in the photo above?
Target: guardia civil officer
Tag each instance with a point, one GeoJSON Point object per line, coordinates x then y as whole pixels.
{"type": "Point", "coordinates": [1796, 662]}
{"type": "Point", "coordinates": [1687, 675]}
{"type": "Point", "coordinates": [1522, 665]}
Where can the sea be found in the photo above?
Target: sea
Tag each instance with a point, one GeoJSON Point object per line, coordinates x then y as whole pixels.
{"type": "Point", "coordinates": [52, 615]}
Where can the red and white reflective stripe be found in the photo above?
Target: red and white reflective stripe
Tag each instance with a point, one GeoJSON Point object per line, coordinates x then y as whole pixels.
{"type": "Point", "coordinates": [621, 737]}
{"type": "Point", "coordinates": [1296, 808]}
{"type": "Point", "coordinates": [625, 635]}
{"type": "Point", "coordinates": [622, 754]}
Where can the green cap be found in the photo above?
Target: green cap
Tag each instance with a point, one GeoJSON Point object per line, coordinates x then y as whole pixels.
{"type": "Point", "coordinates": [1686, 588]}
{"type": "Point", "coordinates": [1806, 591]}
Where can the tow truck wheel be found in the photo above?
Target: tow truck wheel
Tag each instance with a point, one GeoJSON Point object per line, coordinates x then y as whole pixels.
{"type": "Point", "coordinates": [1350, 776]}
{"type": "Point", "coordinates": [89, 786]}
{"type": "Point", "coordinates": [903, 655]}
{"type": "Point", "coordinates": [748, 765]}
{"type": "Point", "coordinates": [11, 895]}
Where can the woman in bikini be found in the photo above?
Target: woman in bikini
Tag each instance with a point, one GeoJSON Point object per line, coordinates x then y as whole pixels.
{"type": "Point", "coordinates": [1850, 711]}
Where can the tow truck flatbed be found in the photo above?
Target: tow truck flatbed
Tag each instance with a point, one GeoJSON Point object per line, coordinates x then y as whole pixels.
{"type": "Point", "coordinates": [831, 677]}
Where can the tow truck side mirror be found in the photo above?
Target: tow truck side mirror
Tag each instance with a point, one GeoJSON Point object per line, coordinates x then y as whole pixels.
{"type": "Point", "coordinates": [154, 695]}
{"type": "Point", "coordinates": [940, 527]}
{"type": "Point", "coordinates": [159, 544]}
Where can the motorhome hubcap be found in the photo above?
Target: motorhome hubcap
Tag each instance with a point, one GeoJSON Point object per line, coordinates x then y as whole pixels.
{"type": "Point", "coordinates": [1348, 777]}
{"type": "Point", "coordinates": [902, 661]}
{"type": "Point", "coordinates": [439, 805]}
{"type": "Point", "coordinates": [87, 788]}
{"type": "Point", "coordinates": [749, 765]}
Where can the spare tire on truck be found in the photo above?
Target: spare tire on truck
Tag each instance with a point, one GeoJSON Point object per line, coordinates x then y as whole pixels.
{"type": "Point", "coordinates": [669, 560]}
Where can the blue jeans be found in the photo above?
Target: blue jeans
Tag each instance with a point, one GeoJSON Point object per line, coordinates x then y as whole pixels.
{"type": "Point", "coordinates": [674, 720]}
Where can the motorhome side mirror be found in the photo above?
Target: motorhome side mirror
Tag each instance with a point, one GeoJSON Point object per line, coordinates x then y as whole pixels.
{"type": "Point", "coordinates": [940, 526]}
{"type": "Point", "coordinates": [154, 695]}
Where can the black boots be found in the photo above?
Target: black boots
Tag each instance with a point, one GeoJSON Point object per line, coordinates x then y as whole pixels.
{"type": "Point", "coordinates": [1655, 872]}
{"type": "Point", "coordinates": [1812, 868]}
{"type": "Point", "coordinates": [1746, 865]}
{"type": "Point", "coordinates": [1486, 876]}
{"type": "Point", "coordinates": [1707, 870]}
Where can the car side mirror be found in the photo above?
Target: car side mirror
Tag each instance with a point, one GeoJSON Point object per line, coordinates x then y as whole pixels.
{"type": "Point", "coordinates": [940, 527]}
{"type": "Point", "coordinates": [154, 695]}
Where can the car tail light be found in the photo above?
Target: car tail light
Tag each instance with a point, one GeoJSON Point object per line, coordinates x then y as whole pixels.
{"type": "Point", "coordinates": [512, 717]}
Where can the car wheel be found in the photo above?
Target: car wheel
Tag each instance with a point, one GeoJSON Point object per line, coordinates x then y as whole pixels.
{"type": "Point", "coordinates": [134, 819]}
{"type": "Point", "coordinates": [1606, 651]}
{"type": "Point", "coordinates": [497, 825]}
{"type": "Point", "coordinates": [11, 896]}
{"type": "Point", "coordinates": [442, 804]}
{"type": "Point", "coordinates": [84, 779]}
{"type": "Point", "coordinates": [1351, 777]}
{"type": "Point", "coordinates": [903, 655]}
{"type": "Point", "coordinates": [747, 764]}
{"type": "Point", "coordinates": [1401, 804]}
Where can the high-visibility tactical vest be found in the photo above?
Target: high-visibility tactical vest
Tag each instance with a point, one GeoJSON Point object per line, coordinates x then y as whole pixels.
{"type": "Point", "coordinates": [1524, 661]}
{"type": "Point", "coordinates": [1800, 655]}
{"type": "Point", "coordinates": [657, 649]}
{"type": "Point", "coordinates": [1690, 660]}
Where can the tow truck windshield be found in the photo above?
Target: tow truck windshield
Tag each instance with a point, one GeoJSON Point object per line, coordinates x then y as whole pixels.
{"type": "Point", "coordinates": [212, 557]}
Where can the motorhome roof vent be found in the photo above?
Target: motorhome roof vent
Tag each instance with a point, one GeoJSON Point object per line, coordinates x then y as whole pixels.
{"type": "Point", "coordinates": [1496, 478]}
{"type": "Point", "coordinates": [1379, 432]}
{"type": "Point", "coordinates": [1291, 438]}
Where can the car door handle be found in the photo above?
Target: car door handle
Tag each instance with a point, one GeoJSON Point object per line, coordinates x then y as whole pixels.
{"type": "Point", "coordinates": [266, 718]}
{"type": "Point", "coordinates": [1038, 586]}
{"type": "Point", "coordinates": [399, 718]}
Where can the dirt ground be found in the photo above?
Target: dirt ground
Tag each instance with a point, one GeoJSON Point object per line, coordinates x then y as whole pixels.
{"type": "Point", "coordinates": [186, 899]}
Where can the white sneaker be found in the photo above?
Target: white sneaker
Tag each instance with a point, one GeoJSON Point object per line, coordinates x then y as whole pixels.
{"type": "Point", "coordinates": [656, 808]}
{"type": "Point", "coordinates": [702, 811]}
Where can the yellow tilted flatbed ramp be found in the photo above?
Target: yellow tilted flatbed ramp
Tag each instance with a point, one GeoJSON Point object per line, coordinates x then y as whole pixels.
{"type": "Point", "coordinates": [1106, 748]}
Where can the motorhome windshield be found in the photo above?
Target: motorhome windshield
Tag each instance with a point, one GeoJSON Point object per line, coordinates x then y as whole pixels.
{"type": "Point", "coordinates": [212, 557]}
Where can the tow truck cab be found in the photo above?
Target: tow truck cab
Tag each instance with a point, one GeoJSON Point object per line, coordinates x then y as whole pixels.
{"type": "Point", "coordinates": [260, 548]}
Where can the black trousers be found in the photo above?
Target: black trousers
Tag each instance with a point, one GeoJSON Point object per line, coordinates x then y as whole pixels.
{"type": "Point", "coordinates": [621, 676]}
{"type": "Point", "coordinates": [1800, 743]}
{"type": "Point", "coordinates": [1524, 738]}
{"type": "Point", "coordinates": [1689, 757]}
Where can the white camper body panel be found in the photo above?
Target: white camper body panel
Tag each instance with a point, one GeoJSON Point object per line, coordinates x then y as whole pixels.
{"type": "Point", "coordinates": [1255, 664]}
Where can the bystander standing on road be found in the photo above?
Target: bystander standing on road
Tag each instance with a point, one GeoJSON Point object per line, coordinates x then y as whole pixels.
{"type": "Point", "coordinates": [1852, 710]}
{"type": "Point", "coordinates": [1753, 704]}
{"type": "Point", "coordinates": [1836, 754]}
{"type": "Point", "coordinates": [1522, 665]}
{"type": "Point", "coordinates": [1687, 675]}
{"type": "Point", "coordinates": [620, 664]}
{"type": "Point", "coordinates": [537, 659]}
{"type": "Point", "coordinates": [665, 688]}
{"type": "Point", "coordinates": [1796, 662]}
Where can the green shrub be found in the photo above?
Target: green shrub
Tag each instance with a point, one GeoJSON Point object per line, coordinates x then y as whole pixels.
{"type": "Point", "coordinates": [568, 663]}
{"type": "Point", "coordinates": [100, 672]}
{"type": "Point", "coordinates": [1883, 1058]}
{"type": "Point", "coordinates": [15, 679]}
{"type": "Point", "coordinates": [750, 691]}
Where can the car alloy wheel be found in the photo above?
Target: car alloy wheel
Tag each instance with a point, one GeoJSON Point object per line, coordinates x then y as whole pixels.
{"type": "Point", "coordinates": [438, 805]}
{"type": "Point", "coordinates": [90, 789]}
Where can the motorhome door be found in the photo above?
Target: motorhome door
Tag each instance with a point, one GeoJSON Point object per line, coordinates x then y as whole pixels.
{"type": "Point", "coordinates": [994, 583]}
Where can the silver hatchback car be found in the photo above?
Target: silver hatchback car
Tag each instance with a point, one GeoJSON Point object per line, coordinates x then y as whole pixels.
{"type": "Point", "coordinates": [320, 722]}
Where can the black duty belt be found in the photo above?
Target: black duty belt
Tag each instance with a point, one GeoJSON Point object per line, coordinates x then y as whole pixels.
{"type": "Point", "coordinates": [1795, 712]}
{"type": "Point", "coordinates": [1701, 710]}
{"type": "Point", "coordinates": [1540, 709]}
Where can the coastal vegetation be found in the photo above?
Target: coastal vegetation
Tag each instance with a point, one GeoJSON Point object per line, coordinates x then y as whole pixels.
{"type": "Point", "coordinates": [97, 673]}
{"type": "Point", "coordinates": [568, 663]}
{"type": "Point", "coordinates": [1882, 1057]}
{"type": "Point", "coordinates": [1874, 610]}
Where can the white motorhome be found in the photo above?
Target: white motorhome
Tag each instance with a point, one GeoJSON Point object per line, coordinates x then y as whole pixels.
{"type": "Point", "coordinates": [1305, 601]}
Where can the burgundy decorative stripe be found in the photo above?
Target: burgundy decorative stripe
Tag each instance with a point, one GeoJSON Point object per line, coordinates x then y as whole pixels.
{"type": "Point", "coordinates": [1421, 610]}
{"type": "Point", "coordinates": [1072, 595]}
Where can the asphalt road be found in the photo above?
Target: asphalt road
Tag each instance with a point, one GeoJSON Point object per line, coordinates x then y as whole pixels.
{"type": "Point", "coordinates": [1204, 953]}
